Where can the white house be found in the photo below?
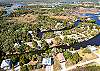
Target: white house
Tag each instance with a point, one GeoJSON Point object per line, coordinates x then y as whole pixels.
{"type": "Point", "coordinates": [29, 44]}
{"type": "Point", "coordinates": [92, 48]}
{"type": "Point", "coordinates": [48, 63]}
{"type": "Point", "coordinates": [30, 32]}
{"type": "Point", "coordinates": [57, 32]}
{"type": "Point", "coordinates": [49, 41]}
{"type": "Point", "coordinates": [17, 45]}
{"type": "Point", "coordinates": [6, 64]}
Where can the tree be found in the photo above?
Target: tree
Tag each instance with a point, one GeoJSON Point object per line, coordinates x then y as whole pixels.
{"type": "Point", "coordinates": [75, 58]}
{"type": "Point", "coordinates": [22, 48]}
{"type": "Point", "coordinates": [72, 49]}
{"type": "Point", "coordinates": [67, 32]}
{"type": "Point", "coordinates": [60, 50]}
{"type": "Point", "coordinates": [69, 41]}
{"type": "Point", "coordinates": [30, 67]}
{"type": "Point", "coordinates": [23, 60]}
{"type": "Point", "coordinates": [67, 54]}
{"type": "Point", "coordinates": [24, 68]}
{"type": "Point", "coordinates": [86, 50]}
{"type": "Point", "coordinates": [91, 21]}
{"type": "Point", "coordinates": [34, 43]}
{"type": "Point", "coordinates": [57, 40]}
{"type": "Point", "coordinates": [44, 45]}
{"type": "Point", "coordinates": [38, 66]}
{"type": "Point", "coordinates": [48, 35]}
{"type": "Point", "coordinates": [8, 45]}
{"type": "Point", "coordinates": [48, 52]}
{"type": "Point", "coordinates": [13, 67]}
{"type": "Point", "coordinates": [66, 22]}
{"type": "Point", "coordinates": [14, 59]}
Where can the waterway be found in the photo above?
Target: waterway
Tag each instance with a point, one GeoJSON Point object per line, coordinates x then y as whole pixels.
{"type": "Point", "coordinates": [93, 41]}
{"type": "Point", "coordinates": [94, 17]}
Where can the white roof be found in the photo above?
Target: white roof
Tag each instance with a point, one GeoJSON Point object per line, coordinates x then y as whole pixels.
{"type": "Point", "coordinates": [30, 32]}
{"type": "Point", "coordinates": [49, 40]}
{"type": "Point", "coordinates": [92, 48]}
{"type": "Point", "coordinates": [16, 44]}
{"type": "Point", "coordinates": [57, 32]}
{"type": "Point", "coordinates": [39, 43]}
{"type": "Point", "coordinates": [29, 43]}
{"type": "Point", "coordinates": [6, 64]}
{"type": "Point", "coordinates": [46, 61]}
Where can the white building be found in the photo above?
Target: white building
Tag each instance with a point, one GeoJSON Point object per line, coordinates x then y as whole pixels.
{"type": "Point", "coordinates": [57, 32]}
{"type": "Point", "coordinates": [6, 64]}
{"type": "Point", "coordinates": [92, 48]}
{"type": "Point", "coordinates": [49, 41]}
{"type": "Point", "coordinates": [48, 63]}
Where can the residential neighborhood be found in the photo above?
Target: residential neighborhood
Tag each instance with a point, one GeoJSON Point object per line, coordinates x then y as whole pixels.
{"type": "Point", "coordinates": [49, 35]}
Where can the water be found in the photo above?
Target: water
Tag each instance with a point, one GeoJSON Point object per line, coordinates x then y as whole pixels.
{"type": "Point", "coordinates": [94, 17]}
{"type": "Point", "coordinates": [93, 41]}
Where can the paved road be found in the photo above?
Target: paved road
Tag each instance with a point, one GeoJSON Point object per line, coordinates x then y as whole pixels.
{"type": "Point", "coordinates": [81, 64]}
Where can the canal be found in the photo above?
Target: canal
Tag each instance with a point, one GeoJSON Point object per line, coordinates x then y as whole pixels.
{"type": "Point", "coordinates": [93, 41]}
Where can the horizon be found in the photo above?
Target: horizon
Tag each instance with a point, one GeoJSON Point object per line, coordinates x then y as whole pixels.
{"type": "Point", "coordinates": [45, 1]}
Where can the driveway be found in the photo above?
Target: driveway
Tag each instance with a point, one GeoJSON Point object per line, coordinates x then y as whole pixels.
{"type": "Point", "coordinates": [63, 67]}
{"type": "Point", "coordinates": [49, 68]}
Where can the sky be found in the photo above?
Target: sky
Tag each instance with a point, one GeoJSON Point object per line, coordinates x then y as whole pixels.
{"type": "Point", "coordinates": [10, 1]}
{"type": "Point", "coordinates": [13, 1]}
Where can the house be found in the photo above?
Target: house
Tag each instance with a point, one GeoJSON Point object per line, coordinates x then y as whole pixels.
{"type": "Point", "coordinates": [49, 41]}
{"type": "Point", "coordinates": [62, 60]}
{"type": "Point", "coordinates": [30, 32]}
{"type": "Point", "coordinates": [88, 3]}
{"type": "Point", "coordinates": [47, 61]}
{"type": "Point", "coordinates": [17, 45]}
{"type": "Point", "coordinates": [98, 53]}
{"type": "Point", "coordinates": [6, 64]}
{"type": "Point", "coordinates": [57, 32]}
{"type": "Point", "coordinates": [92, 48]}
{"type": "Point", "coordinates": [32, 62]}
{"type": "Point", "coordinates": [29, 44]}
{"type": "Point", "coordinates": [58, 24]}
{"type": "Point", "coordinates": [60, 57]}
